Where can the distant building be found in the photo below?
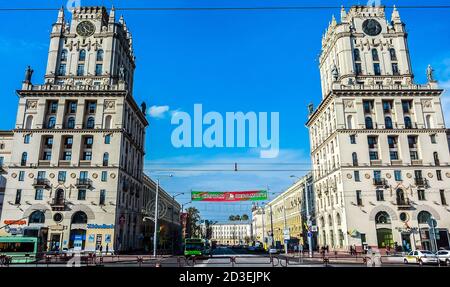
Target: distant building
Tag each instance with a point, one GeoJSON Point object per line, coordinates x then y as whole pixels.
{"type": "Point", "coordinates": [232, 233]}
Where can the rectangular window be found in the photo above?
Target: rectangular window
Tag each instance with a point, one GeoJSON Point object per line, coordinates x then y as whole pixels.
{"type": "Point", "coordinates": [41, 175]}
{"type": "Point", "coordinates": [439, 175]}
{"type": "Point", "coordinates": [380, 195]}
{"type": "Point", "coordinates": [433, 139]}
{"type": "Point", "coordinates": [39, 195]}
{"type": "Point", "coordinates": [107, 139]}
{"type": "Point", "coordinates": [62, 70]}
{"type": "Point", "coordinates": [73, 107]}
{"type": "Point", "coordinates": [368, 106]}
{"type": "Point", "coordinates": [443, 199]}
{"type": "Point", "coordinates": [21, 175]}
{"type": "Point", "coordinates": [421, 194]}
{"type": "Point", "coordinates": [358, 198]}
{"type": "Point", "coordinates": [87, 155]}
{"type": "Point", "coordinates": [62, 176]}
{"type": "Point", "coordinates": [81, 194]}
{"type": "Point", "coordinates": [47, 155]}
{"type": "Point", "coordinates": [414, 155]}
{"type": "Point", "coordinates": [102, 197]}
{"type": "Point", "coordinates": [98, 69]}
{"type": "Point", "coordinates": [398, 175]}
{"type": "Point", "coordinates": [356, 173]}
{"type": "Point", "coordinates": [395, 70]}
{"type": "Point", "coordinates": [83, 174]}
{"type": "Point", "coordinates": [373, 155]}
{"type": "Point", "coordinates": [89, 141]}
{"type": "Point", "coordinates": [104, 175]}
{"type": "Point", "coordinates": [387, 106]}
{"type": "Point", "coordinates": [393, 155]}
{"type": "Point", "coordinates": [80, 70]}
{"type": "Point", "coordinates": [92, 107]}
{"type": "Point", "coordinates": [377, 69]}
{"type": "Point", "coordinates": [2, 160]}
{"type": "Point", "coordinates": [406, 105]}
{"type": "Point", "coordinates": [358, 69]}
{"type": "Point", "coordinates": [26, 139]}
{"type": "Point", "coordinates": [353, 139]}
{"type": "Point", "coordinates": [18, 196]}
{"type": "Point", "coordinates": [67, 155]}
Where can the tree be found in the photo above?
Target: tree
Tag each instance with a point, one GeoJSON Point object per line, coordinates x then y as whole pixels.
{"type": "Point", "coordinates": [208, 229]}
{"type": "Point", "coordinates": [237, 217]}
{"type": "Point", "coordinates": [193, 227]}
{"type": "Point", "coordinates": [244, 217]}
{"type": "Point", "coordinates": [231, 218]}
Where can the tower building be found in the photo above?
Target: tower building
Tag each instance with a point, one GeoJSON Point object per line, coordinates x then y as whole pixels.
{"type": "Point", "coordinates": [378, 140]}
{"type": "Point", "coordinates": [76, 169]}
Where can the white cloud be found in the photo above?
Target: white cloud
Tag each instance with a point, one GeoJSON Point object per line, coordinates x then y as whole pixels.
{"type": "Point", "coordinates": [158, 111]}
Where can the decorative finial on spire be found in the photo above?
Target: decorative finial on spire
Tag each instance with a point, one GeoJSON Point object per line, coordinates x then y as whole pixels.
{"type": "Point", "coordinates": [343, 13]}
{"type": "Point", "coordinates": [333, 21]}
{"type": "Point", "coordinates": [395, 15]}
{"type": "Point", "coordinates": [121, 20]}
{"type": "Point", "coordinates": [60, 15]}
{"type": "Point", "coordinates": [112, 14]}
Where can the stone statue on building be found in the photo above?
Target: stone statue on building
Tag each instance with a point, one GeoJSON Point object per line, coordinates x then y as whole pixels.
{"type": "Point", "coordinates": [311, 108]}
{"type": "Point", "coordinates": [144, 108]}
{"type": "Point", "coordinates": [122, 73]}
{"type": "Point", "coordinates": [28, 75]}
{"type": "Point", "coordinates": [430, 72]}
{"type": "Point", "coordinates": [335, 72]}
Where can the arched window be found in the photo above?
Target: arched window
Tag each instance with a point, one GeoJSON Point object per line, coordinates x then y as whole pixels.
{"type": "Point", "coordinates": [108, 122]}
{"type": "Point", "coordinates": [350, 122]}
{"type": "Point", "coordinates": [423, 217]}
{"type": "Point", "coordinates": [29, 122]}
{"type": "Point", "coordinates": [436, 158]}
{"type": "Point", "coordinates": [429, 122]}
{"type": "Point", "coordinates": [79, 218]}
{"type": "Point", "coordinates": [71, 123]}
{"type": "Point", "coordinates": [408, 123]}
{"type": "Point", "coordinates": [90, 123]}
{"type": "Point", "coordinates": [382, 217]}
{"type": "Point", "coordinates": [105, 159]}
{"type": "Point", "coordinates": [64, 55]}
{"type": "Point", "coordinates": [51, 122]}
{"type": "Point", "coordinates": [330, 220]}
{"type": "Point", "coordinates": [357, 55]}
{"type": "Point", "coordinates": [393, 54]}
{"type": "Point", "coordinates": [100, 55]}
{"type": "Point", "coordinates": [369, 123]}
{"type": "Point", "coordinates": [82, 55]}
{"type": "Point", "coordinates": [338, 219]}
{"type": "Point", "coordinates": [24, 158]}
{"type": "Point", "coordinates": [322, 222]}
{"type": "Point", "coordinates": [388, 122]}
{"type": "Point", "coordinates": [355, 159]}
{"type": "Point", "coordinates": [37, 217]}
{"type": "Point", "coordinates": [375, 55]}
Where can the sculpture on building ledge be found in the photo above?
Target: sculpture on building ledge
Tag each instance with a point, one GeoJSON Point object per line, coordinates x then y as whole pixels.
{"type": "Point", "coordinates": [28, 75]}
{"type": "Point", "coordinates": [430, 74]}
{"type": "Point", "coordinates": [311, 108]}
{"type": "Point", "coordinates": [122, 73]}
{"type": "Point", "coordinates": [335, 72]}
{"type": "Point", "coordinates": [144, 108]}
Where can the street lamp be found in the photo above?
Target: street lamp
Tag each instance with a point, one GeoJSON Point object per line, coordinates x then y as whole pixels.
{"type": "Point", "coordinates": [171, 224]}
{"type": "Point", "coordinates": [308, 216]}
{"type": "Point", "coordinates": [155, 233]}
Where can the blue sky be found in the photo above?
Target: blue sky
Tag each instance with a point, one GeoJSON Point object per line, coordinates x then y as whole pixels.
{"type": "Point", "coordinates": [229, 61]}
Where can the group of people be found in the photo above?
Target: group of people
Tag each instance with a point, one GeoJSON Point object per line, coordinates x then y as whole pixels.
{"type": "Point", "coordinates": [99, 248]}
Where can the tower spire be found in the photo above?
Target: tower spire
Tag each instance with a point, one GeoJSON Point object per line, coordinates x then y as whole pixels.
{"type": "Point", "coordinates": [60, 19]}
{"type": "Point", "coordinates": [395, 16]}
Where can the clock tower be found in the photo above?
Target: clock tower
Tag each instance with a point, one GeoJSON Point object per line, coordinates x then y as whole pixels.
{"type": "Point", "coordinates": [93, 49]}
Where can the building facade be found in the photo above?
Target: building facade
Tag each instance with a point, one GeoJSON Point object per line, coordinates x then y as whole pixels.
{"type": "Point", "coordinates": [378, 140]}
{"type": "Point", "coordinates": [231, 233]}
{"type": "Point", "coordinates": [77, 169]}
{"type": "Point", "coordinates": [6, 138]}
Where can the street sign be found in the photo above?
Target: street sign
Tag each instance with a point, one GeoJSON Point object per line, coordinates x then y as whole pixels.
{"type": "Point", "coordinates": [314, 228]}
{"type": "Point", "coordinates": [309, 234]}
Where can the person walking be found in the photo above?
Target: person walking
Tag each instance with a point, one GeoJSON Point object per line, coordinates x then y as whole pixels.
{"type": "Point", "coordinates": [107, 248]}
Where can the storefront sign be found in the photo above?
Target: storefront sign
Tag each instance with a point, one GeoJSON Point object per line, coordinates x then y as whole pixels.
{"type": "Point", "coordinates": [254, 195]}
{"type": "Point", "coordinates": [15, 222]}
{"type": "Point", "coordinates": [100, 226]}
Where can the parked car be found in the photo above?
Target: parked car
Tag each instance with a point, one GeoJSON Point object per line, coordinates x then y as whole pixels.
{"type": "Point", "coordinates": [420, 257]}
{"type": "Point", "coordinates": [273, 251]}
{"type": "Point", "coordinates": [444, 256]}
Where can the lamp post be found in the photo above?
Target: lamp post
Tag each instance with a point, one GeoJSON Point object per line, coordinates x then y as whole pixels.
{"type": "Point", "coordinates": [155, 233]}
{"type": "Point", "coordinates": [308, 216]}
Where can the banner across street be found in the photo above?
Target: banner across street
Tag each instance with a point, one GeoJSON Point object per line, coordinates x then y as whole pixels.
{"type": "Point", "coordinates": [230, 196]}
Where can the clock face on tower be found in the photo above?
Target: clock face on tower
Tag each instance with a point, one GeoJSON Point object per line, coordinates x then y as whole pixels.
{"type": "Point", "coordinates": [85, 29]}
{"type": "Point", "coordinates": [371, 27]}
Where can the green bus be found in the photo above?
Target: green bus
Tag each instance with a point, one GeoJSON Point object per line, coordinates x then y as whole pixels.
{"type": "Point", "coordinates": [19, 249]}
{"type": "Point", "coordinates": [197, 247]}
